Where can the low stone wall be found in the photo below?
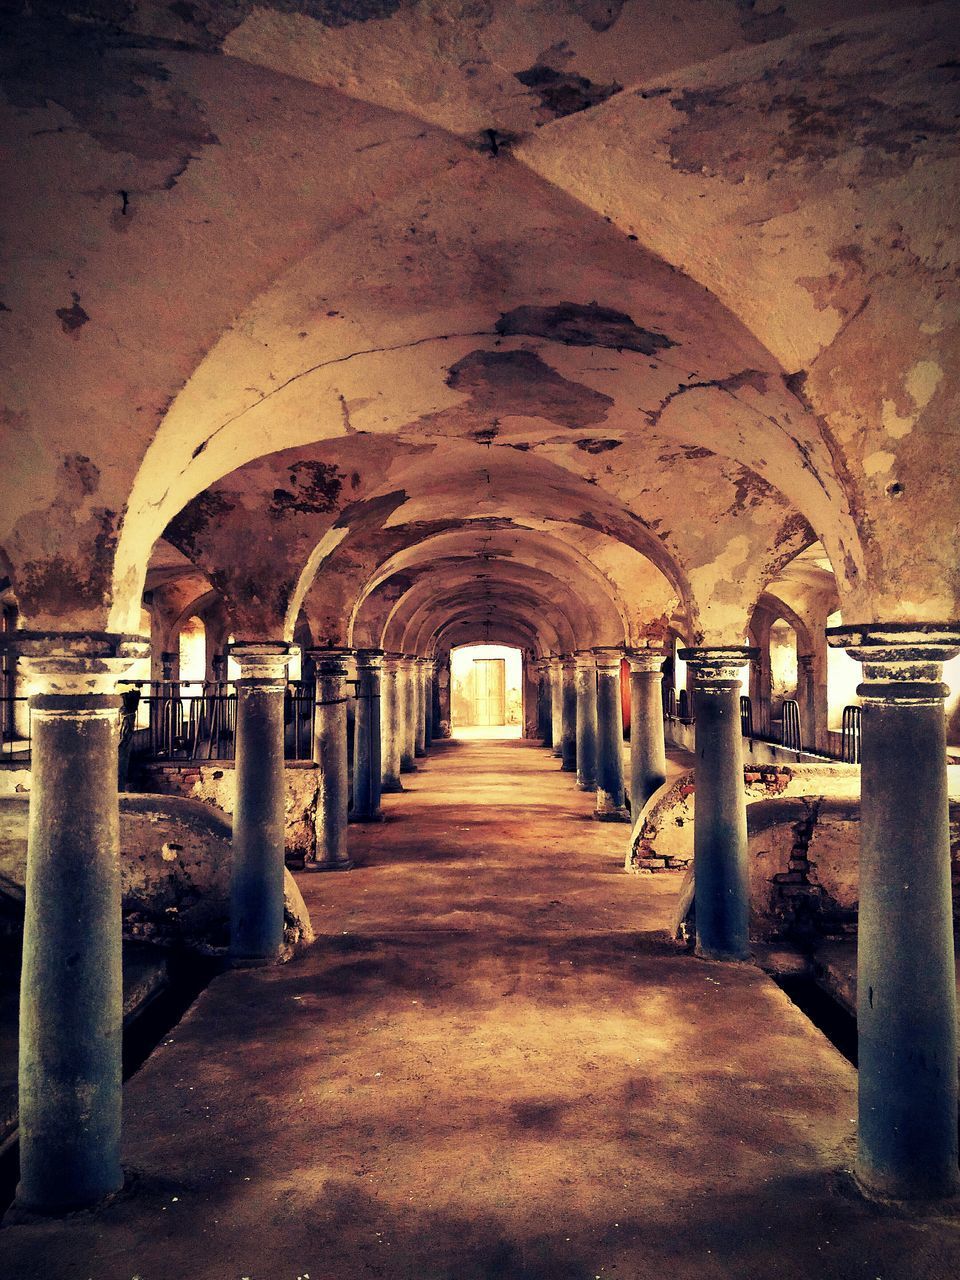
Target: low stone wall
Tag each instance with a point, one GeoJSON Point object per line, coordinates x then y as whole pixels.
{"type": "Point", "coordinates": [215, 784]}
{"type": "Point", "coordinates": [803, 832]}
{"type": "Point", "coordinates": [175, 857]}
{"type": "Point", "coordinates": [662, 836]}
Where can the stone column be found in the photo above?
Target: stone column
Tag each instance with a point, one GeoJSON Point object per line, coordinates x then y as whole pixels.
{"type": "Point", "coordinates": [648, 761]}
{"type": "Point", "coordinates": [544, 708]}
{"type": "Point", "coordinates": [391, 725]}
{"type": "Point", "coordinates": [256, 881]}
{"type": "Point", "coordinates": [442, 728]}
{"type": "Point", "coordinates": [720, 816]}
{"type": "Point", "coordinates": [568, 713]}
{"type": "Point", "coordinates": [609, 772]}
{"type": "Point", "coordinates": [556, 705]}
{"type": "Point", "coordinates": [408, 718]}
{"type": "Point", "coordinates": [367, 739]}
{"type": "Point", "coordinates": [71, 995]}
{"type": "Point", "coordinates": [906, 979]}
{"type": "Point", "coordinates": [585, 683]}
{"type": "Point", "coordinates": [426, 675]}
{"type": "Point", "coordinates": [330, 753]}
{"type": "Point", "coordinates": [420, 705]}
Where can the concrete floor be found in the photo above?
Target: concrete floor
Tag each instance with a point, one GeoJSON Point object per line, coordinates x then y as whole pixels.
{"type": "Point", "coordinates": [493, 1066]}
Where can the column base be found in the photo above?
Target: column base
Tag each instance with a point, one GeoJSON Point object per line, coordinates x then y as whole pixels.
{"type": "Point", "coordinates": [408, 768]}
{"type": "Point", "coordinates": [420, 752]}
{"type": "Point", "coordinates": [366, 817]}
{"type": "Point", "coordinates": [26, 1215]}
{"type": "Point", "coordinates": [391, 788]}
{"type": "Point", "coordinates": [568, 768]}
{"type": "Point", "coordinates": [723, 957]}
{"type": "Point", "coordinates": [611, 815]}
{"type": "Point", "coordinates": [253, 962]}
{"type": "Point", "coordinates": [587, 786]}
{"type": "Point", "coordinates": [346, 865]}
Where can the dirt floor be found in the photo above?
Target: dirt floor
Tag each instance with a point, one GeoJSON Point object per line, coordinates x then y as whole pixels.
{"type": "Point", "coordinates": [492, 1066]}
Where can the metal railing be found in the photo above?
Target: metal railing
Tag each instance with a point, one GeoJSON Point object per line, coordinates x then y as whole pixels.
{"type": "Point", "coordinates": [190, 720]}
{"type": "Point", "coordinates": [746, 716]}
{"type": "Point", "coordinates": [850, 735]}
{"type": "Point", "coordinates": [791, 736]}
{"type": "Point", "coordinates": [16, 738]}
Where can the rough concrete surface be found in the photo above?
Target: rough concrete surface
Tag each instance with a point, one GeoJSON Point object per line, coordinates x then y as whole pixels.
{"type": "Point", "coordinates": [491, 1065]}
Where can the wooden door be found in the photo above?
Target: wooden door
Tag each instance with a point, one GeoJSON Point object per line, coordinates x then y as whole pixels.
{"type": "Point", "coordinates": [490, 691]}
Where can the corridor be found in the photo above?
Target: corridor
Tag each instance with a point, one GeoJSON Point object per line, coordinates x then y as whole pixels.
{"type": "Point", "coordinates": [492, 1064]}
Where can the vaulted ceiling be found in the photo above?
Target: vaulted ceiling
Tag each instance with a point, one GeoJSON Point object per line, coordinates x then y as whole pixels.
{"type": "Point", "coordinates": [395, 316]}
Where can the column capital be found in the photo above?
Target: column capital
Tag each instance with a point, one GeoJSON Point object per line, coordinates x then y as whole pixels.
{"type": "Point", "coordinates": [568, 661]}
{"type": "Point", "coordinates": [408, 661]}
{"type": "Point", "coordinates": [902, 661]}
{"type": "Point", "coordinates": [330, 662]}
{"type": "Point", "coordinates": [648, 661]}
{"type": "Point", "coordinates": [262, 662]}
{"type": "Point", "coordinates": [76, 664]}
{"type": "Point", "coordinates": [718, 665]}
{"type": "Point", "coordinates": [585, 659]}
{"type": "Point", "coordinates": [369, 659]}
{"type": "Point", "coordinates": [607, 657]}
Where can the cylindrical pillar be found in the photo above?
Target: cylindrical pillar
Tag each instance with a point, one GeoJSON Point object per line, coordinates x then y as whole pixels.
{"type": "Point", "coordinates": [544, 709]}
{"type": "Point", "coordinates": [568, 714]}
{"type": "Point", "coordinates": [330, 753]}
{"type": "Point", "coordinates": [426, 675]}
{"type": "Point", "coordinates": [648, 760]}
{"type": "Point", "coordinates": [408, 715]}
{"type": "Point", "coordinates": [391, 724]}
{"type": "Point", "coordinates": [71, 994]}
{"type": "Point", "coordinates": [609, 772]}
{"type": "Point", "coordinates": [256, 881]}
{"type": "Point", "coordinates": [720, 815]}
{"type": "Point", "coordinates": [420, 704]}
{"type": "Point", "coordinates": [556, 705]}
{"type": "Point", "coordinates": [585, 683]}
{"type": "Point", "coordinates": [906, 975]}
{"type": "Point", "coordinates": [367, 738]}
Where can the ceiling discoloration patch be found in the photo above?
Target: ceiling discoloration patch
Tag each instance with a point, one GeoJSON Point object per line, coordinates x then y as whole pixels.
{"type": "Point", "coordinates": [563, 93]}
{"type": "Point", "coordinates": [108, 80]}
{"type": "Point", "coordinates": [73, 317]}
{"type": "Point", "coordinates": [770, 122]}
{"type": "Point", "coordinates": [519, 382]}
{"type": "Point", "coordinates": [580, 325]}
{"type": "Point", "coordinates": [314, 488]}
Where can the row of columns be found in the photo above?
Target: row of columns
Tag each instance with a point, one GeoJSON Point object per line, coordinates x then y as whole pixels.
{"type": "Point", "coordinates": [71, 998]}
{"type": "Point", "coordinates": [579, 714]}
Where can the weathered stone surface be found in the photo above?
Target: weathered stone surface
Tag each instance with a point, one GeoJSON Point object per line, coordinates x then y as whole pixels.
{"type": "Point", "coordinates": [174, 867]}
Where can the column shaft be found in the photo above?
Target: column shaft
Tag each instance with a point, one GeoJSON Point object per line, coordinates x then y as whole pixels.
{"type": "Point", "coordinates": [568, 716]}
{"type": "Point", "coordinates": [420, 701]}
{"type": "Point", "coordinates": [408, 715]}
{"type": "Point", "coordinates": [330, 753]}
{"type": "Point", "coordinates": [585, 682]}
{"type": "Point", "coordinates": [544, 708]}
{"type": "Point", "coordinates": [648, 761]}
{"type": "Point", "coordinates": [906, 976]}
{"type": "Point", "coordinates": [71, 994]}
{"type": "Point", "coordinates": [427, 676]}
{"type": "Point", "coordinates": [256, 882]}
{"type": "Point", "coordinates": [720, 817]}
{"type": "Point", "coordinates": [367, 739]}
{"type": "Point", "coordinates": [556, 706]}
{"type": "Point", "coordinates": [391, 726]}
{"type": "Point", "coordinates": [609, 774]}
